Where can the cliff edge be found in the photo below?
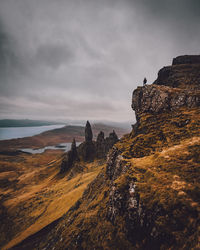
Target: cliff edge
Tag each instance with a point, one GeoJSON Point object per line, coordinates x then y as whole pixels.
{"type": "Point", "coordinates": [176, 86]}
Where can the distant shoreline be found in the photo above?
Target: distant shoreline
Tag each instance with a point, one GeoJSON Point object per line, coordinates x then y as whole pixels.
{"type": "Point", "coordinates": [12, 123]}
{"type": "Point", "coordinates": [10, 133]}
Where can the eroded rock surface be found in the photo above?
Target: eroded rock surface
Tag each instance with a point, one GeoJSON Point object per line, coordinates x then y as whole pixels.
{"type": "Point", "coordinates": [156, 99]}
{"type": "Point", "coordinates": [184, 73]}
{"type": "Point", "coordinates": [176, 86]}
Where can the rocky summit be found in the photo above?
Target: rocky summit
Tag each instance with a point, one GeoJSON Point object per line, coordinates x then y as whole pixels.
{"type": "Point", "coordinates": [147, 194]}
{"type": "Point", "coordinates": [176, 86]}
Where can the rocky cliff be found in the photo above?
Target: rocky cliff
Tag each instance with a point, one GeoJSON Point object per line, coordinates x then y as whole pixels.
{"type": "Point", "coordinates": [147, 195]}
{"type": "Point", "coordinates": [176, 86]}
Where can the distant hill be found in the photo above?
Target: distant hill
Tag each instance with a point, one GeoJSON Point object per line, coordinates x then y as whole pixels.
{"type": "Point", "coordinates": [59, 135]}
{"type": "Point", "coordinates": [5, 123]}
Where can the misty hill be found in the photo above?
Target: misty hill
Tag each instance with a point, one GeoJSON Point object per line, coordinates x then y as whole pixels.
{"type": "Point", "coordinates": [5, 123]}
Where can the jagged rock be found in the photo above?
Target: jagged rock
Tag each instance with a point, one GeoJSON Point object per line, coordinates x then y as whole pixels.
{"type": "Point", "coordinates": [74, 150]}
{"type": "Point", "coordinates": [100, 146]}
{"type": "Point", "coordinates": [113, 137]}
{"type": "Point", "coordinates": [184, 73]}
{"type": "Point", "coordinates": [156, 99]}
{"type": "Point", "coordinates": [111, 140]}
{"type": "Point", "coordinates": [86, 151]}
{"type": "Point", "coordinates": [100, 137]}
{"type": "Point", "coordinates": [67, 162]}
{"type": "Point", "coordinates": [186, 59]}
{"type": "Point", "coordinates": [88, 132]}
{"type": "Point", "coordinates": [104, 145]}
{"type": "Point", "coordinates": [176, 86]}
{"type": "Point", "coordinates": [70, 158]}
{"type": "Point", "coordinates": [89, 149]}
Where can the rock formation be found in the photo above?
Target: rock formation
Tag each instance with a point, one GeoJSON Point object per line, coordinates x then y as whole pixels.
{"type": "Point", "coordinates": [103, 145]}
{"type": "Point", "coordinates": [111, 140]}
{"type": "Point", "coordinates": [88, 132]}
{"type": "Point", "coordinates": [74, 150]}
{"type": "Point", "coordinates": [176, 86]}
{"type": "Point", "coordinates": [184, 73]}
{"type": "Point", "coordinates": [70, 158]}
{"type": "Point", "coordinates": [100, 145]}
{"type": "Point", "coordinates": [88, 150]}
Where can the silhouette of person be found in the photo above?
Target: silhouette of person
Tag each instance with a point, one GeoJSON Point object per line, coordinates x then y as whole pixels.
{"type": "Point", "coordinates": [144, 81]}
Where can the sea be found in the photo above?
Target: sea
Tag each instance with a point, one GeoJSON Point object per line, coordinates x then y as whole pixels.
{"type": "Point", "coordinates": [20, 132]}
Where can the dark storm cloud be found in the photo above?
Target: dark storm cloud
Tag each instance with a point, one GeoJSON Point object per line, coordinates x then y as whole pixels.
{"type": "Point", "coordinates": [77, 59]}
{"type": "Point", "coordinates": [179, 15]}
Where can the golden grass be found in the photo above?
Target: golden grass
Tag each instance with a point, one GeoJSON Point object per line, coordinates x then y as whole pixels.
{"type": "Point", "coordinates": [162, 158]}
{"type": "Point", "coordinates": [42, 196]}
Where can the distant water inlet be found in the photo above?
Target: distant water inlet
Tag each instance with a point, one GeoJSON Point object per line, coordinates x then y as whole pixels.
{"type": "Point", "coordinates": [62, 146]}
{"type": "Point", "coordinates": [20, 132]}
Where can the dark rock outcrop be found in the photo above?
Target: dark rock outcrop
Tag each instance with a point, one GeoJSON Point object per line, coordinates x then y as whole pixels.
{"type": "Point", "coordinates": [104, 145]}
{"type": "Point", "coordinates": [186, 59]}
{"type": "Point", "coordinates": [100, 145]}
{"type": "Point", "coordinates": [184, 73]}
{"type": "Point", "coordinates": [176, 86]}
{"type": "Point", "coordinates": [88, 150]}
{"type": "Point", "coordinates": [74, 150]}
{"type": "Point", "coordinates": [111, 140]}
{"type": "Point", "coordinates": [70, 158]}
{"type": "Point", "coordinates": [88, 132]}
{"type": "Point", "coordinates": [155, 99]}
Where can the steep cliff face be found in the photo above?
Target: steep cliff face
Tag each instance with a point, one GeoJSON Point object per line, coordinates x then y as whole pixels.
{"type": "Point", "coordinates": [156, 99]}
{"type": "Point", "coordinates": [176, 86]}
{"type": "Point", "coordinates": [147, 195]}
{"type": "Point", "coordinates": [184, 73]}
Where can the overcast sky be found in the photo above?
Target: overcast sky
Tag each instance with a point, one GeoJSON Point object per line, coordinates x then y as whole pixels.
{"type": "Point", "coordinates": [81, 59]}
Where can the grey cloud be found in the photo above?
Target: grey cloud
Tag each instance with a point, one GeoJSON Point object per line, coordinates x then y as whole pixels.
{"type": "Point", "coordinates": [53, 55]}
{"type": "Point", "coordinates": [84, 58]}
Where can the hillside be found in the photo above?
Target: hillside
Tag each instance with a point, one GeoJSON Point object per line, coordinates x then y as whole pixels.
{"type": "Point", "coordinates": [33, 192]}
{"type": "Point", "coordinates": [147, 193]}
{"type": "Point", "coordinates": [8, 123]}
{"type": "Point", "coordinates": [56, 136]}
{"type": "Point", "coordinates": [33, 195]}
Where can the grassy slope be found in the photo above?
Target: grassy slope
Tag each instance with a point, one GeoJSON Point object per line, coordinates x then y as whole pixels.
{"type": "Point", "coordinates": [34, 195]}
{"type": "Point", "coordinates": [163, 156]}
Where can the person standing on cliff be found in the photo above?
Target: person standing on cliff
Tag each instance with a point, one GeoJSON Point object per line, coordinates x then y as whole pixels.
{"type": "Point", "coordinates": [144, 81]}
